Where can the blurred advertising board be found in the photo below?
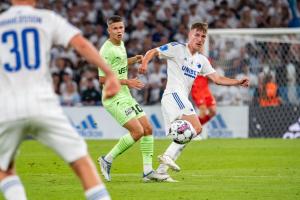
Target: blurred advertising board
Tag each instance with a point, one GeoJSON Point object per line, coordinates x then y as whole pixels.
{"type": "Point", "coordinates": [96, 123]}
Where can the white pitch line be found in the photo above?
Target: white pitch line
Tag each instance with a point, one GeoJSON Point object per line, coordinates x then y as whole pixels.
{"type": "Point", "coordinates": [209, 175]}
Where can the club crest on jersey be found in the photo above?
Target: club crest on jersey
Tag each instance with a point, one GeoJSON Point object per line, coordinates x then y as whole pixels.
{"type": "Point", "coordinates": [189, 72]}
{"type": "Point", "coordinates": [164, 47]}
{"type": "Point", "coordinates": [199, 66]}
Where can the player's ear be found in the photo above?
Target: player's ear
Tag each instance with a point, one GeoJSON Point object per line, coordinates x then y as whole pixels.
{"type": "Point", "coordinates": [108, 30]}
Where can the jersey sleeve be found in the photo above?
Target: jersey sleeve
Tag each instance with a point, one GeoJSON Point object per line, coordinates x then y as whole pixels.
{"type": "Point", "coordinates": [63, 31]}
{"type": "Point", "coordinates": [206, 67]}
{"type": "Point", "coordinates": [169, 50]}
{"type": "Point", "coordinates": [107, 56]}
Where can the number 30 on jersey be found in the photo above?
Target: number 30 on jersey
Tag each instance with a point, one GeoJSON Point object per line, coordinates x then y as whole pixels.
{"type": "Point", "coordinates": [21, 54]}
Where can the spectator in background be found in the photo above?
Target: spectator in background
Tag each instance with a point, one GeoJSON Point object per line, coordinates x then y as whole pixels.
{"type": "Point", "coordinates": [172, 16]}
{"type": "Point", "coordinates": [89, 75]}
{"type": "Point", "coordinates": [66, 79]}
{"type": "Point", "coordinates": [70, 96]}
{"type": "Point", "coordinates": [155, 83]}
{"type": "Point", "coordinates": [294, 53]}
{"type": "Point", "coordinates": [159, 32]}
{"type": "Point", "coordinates": [56, 83]}
{"type": "Point", "coordinates": [140, 32]}
{"type": "Point", "coordinates": [268, 94]}
{"type": "Point", "coordinates": [90, 96]}
{"type": "Point", "coordinates": [180, 36]}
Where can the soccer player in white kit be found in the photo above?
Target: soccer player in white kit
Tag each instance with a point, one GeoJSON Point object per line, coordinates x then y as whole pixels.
{"type": "Point", "coordinates": [184, 64]}
{"type": "Point", "coordinates": [27, 100]}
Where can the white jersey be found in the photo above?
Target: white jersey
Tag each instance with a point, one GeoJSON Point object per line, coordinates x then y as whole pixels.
{"type": "Point", "coordinates": [183, 67]}
{"type": "Point", "coordinates": [26, 36]}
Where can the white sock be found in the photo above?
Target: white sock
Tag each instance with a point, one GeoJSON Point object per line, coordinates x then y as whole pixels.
{"type": "Point", "coordinates": [98, 192]}
{"type": "Point", "coordinates": [147, 168]}
{"type": "Point", "coordinates": [109, 158]}
{"type": "Point", "coordinates": [174, 150]}
{"type": "Point", "coordinates": [13, 188]}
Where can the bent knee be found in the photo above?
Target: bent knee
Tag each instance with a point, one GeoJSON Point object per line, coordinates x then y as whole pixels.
{"type": "Point", "coordinates": [148, 130]}
{"type": "Point", "coordinates": [198, 129]}
{"type": "Point", "coordinates": [137, 133]}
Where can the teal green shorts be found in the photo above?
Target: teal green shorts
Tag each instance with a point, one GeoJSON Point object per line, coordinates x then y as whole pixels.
{"type": "Point", "coordinates": [124, 110]}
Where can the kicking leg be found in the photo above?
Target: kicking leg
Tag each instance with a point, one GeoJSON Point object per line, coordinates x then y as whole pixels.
{"type": "Point", "coordinates": [125, 142]}
{"type": "Point", "coordinates": [174, 150]}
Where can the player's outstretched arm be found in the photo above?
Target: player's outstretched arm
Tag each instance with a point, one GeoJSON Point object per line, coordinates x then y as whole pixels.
{"type": "Point", "coordinates": [222, 80]}
{"type": "Point", "coordinates": [134, 83]}
{"type": "Point", "coordinates": [88, 51]}
{"type": "Point", "coordinates": [135, 59]}
{"type": "Point", "coordinates": [149, 55]}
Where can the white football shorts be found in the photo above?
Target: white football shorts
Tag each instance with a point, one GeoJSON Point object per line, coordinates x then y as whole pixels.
{"type": "Point", "coordinates": [53, 131]}
{"type": "Point", "coordinates": [173, 106]}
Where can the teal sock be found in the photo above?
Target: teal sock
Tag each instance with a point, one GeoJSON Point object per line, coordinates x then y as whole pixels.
{"type": "Point", "coordinates": [146, 147]}
{"type": "Point", "coordinates": [124, 143]}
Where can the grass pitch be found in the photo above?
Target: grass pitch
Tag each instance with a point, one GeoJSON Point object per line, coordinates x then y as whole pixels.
{"type": "Point", "coordinates": [221, 169]}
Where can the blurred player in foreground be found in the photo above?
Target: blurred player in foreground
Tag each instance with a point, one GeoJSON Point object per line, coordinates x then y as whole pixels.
{"type": "Point", "coordinates": [28, 103]}
{"type": "Point", "coordinates": [184, 64]}
{"type": "Point", "coordinates": [123, 107]}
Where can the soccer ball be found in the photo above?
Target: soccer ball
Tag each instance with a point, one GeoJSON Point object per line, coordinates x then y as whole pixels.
{"type": "Point", "coordinates": [181, 131]}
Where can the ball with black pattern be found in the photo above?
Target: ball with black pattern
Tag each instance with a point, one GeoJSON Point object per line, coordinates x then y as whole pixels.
{"type": "Point", "coordinates": [181, 131]}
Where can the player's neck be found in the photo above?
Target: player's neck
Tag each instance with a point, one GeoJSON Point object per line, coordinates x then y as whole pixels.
{"type": "Point", "coordinates": [192, 51]}
{"type": "Point", "coordinates": [115, 42]}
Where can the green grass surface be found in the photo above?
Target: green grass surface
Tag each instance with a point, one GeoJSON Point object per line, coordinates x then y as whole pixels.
{"type": "Point", "coordinates": [212, 169]}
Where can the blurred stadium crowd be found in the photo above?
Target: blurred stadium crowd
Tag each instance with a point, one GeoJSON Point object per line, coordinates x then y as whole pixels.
{"type": "Point", "coordinates": [152, 23]}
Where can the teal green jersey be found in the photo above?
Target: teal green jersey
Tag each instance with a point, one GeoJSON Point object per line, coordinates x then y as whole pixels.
{"type": "Point", "coordinates": [116, 57]}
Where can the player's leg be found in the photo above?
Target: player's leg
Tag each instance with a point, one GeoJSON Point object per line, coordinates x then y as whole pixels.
{"type": "Point", "coordinates": [203, 114]}
{"type": "Point", "coordinates": [125, 112]}
{"type": "Point", "coordinates": [207, 109]}
{"type": "Point", "coordinates": [146, 144]}
{"type": "Point", "coordinates": [87, 173]}
{"type": "Point", "coordinates": [63, 139]}
{"type": "Point", "coordinates": [11, 185]}
{"type": "Point", "coordinates": [176, 107]}
{"type": "Point", "coordinates": [146, 147]}
{"type": "Point", "coordinates": [135, 130]}
{"type": "Point", "coordinates": [125, 142]}
{"type": "Point", "coordinates": [174, 149]}
{"type": "Point", "coordinates": [10, 138]}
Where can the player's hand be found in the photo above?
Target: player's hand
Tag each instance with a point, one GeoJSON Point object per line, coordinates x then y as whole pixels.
{"type": "Point", "coordinates": [135, 83]}
{"type": "Point", "coordinates": [244, 82]}
{"type": "Point", "coordinates": [111, 85]}
{"type": "Point", "coordinates": [138, 58]}
{"type": "Point", "coordinates": [143, 69]}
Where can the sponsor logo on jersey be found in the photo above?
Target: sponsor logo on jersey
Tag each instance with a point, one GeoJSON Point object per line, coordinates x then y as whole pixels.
{"type": "Point", "coordinates": [87, 128]}
{"type": "Point", "coordinates": [122, 70]}
{"type": "Point", "coordinates": [128, 111]}
{"type": "Point", "coordinates": [189, 72]}
{"type": "Point", "coordinates": [217, 127]}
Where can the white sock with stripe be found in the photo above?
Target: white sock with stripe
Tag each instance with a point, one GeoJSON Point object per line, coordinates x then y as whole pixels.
{"type": "Point", "coordinates": [98, 192]}
{"type": "Point", "coordinates": [174, 150]}
{"type": "Point", "coordinates": [13, 188]}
